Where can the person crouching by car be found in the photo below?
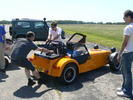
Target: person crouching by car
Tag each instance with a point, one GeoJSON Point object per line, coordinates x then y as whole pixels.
{"type": "Point", "coordinates": [19, 54]}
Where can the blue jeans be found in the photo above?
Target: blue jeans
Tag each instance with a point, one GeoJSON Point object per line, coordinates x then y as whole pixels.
{"type": "Point", "coordinates": [126, 64]}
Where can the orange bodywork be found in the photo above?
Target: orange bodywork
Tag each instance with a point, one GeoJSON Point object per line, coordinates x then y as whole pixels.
{"type": "Point", "coordinates": [54, 67]}
{"type": "Point", "coordinates": [98, 58]}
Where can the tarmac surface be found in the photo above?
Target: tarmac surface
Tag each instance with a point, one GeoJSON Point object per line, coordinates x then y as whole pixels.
{"type": "Point", "coordinates": [99, 84]}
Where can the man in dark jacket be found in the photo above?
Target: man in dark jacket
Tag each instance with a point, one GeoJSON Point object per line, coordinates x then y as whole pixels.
{"type": "Point", "coordinates": [21, 49]}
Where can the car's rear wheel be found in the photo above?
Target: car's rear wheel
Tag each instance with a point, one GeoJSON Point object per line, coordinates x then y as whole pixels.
{"type": "Point", "coordinates": [69, 73]}
{"type": "Point", "coordinates": [113, 63]}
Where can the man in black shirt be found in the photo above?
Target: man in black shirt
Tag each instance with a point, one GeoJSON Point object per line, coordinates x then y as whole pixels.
{"type": "Point", "coordinates": [19, 54]}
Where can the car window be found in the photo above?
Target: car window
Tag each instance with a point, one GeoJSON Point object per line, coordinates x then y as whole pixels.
{"type": "Point", "coordinates": [22, 25]}
{"type": "Point", "coordinates": [76, 38]}
{"type": "Point", "coordinates": [38, 24]}
{"type": "Point", "coordinates": [80, 48]}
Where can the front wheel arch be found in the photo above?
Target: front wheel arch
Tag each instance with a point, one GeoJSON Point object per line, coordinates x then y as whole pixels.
{"type": "Point", "coordinates": [113, 63]}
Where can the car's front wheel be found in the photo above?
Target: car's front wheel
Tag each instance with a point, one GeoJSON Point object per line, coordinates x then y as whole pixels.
{"type": "Point", "coordinates": [69, 73]}
{"type": "Point", "coordinates": [113, 63]}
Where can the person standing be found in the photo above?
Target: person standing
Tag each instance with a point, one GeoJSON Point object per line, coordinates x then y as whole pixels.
{"type": "Point", "coordinates": [2, 40]}
{"type": "Point", "coordinates": [54, 32]}
{"type": "Point", "coordinates": [125, 56]}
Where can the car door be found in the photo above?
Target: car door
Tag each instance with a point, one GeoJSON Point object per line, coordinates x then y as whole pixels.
{"type": "Point", "coordinates": [77, 38]}
{"type": "Point", "coordinates": [41, 30]}
{"type": "Point", "coordinates": [82, 56]}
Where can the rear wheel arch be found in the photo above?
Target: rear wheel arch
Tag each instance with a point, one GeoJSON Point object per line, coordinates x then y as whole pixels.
{"type": "Point", "coordinates": [73, 63]}
{"type": "Point", "coordinates": [61, 64]}
{"type": "Point", "coordinates": [73, 67]}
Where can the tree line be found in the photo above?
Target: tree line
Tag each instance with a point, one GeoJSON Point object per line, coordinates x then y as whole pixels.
{"type": "Point", "coordinates": [5, 22]}
{"type": "Point", "coordinates": [71, 22]}
{"type": "Point", "coordinates": [82, 22]}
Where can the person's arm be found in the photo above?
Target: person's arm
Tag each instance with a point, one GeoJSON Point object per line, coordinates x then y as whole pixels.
{"type": "Point", "coordinates": [49, 35]}
{"type": "Point", "coordinates": [43, 49]}
{"type": "Point", "coordinates": [35, 47]}
{"type": "Point", "coordinates": [124, 44]}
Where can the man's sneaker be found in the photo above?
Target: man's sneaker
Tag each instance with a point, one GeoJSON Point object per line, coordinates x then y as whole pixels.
{"type": "Point", "coordinates": [119, 89]}
{"type": "Point", "coordinates": [41, 81]}
{"type": "Point", "coordinates": [122, 94]}
{"type": "Point", "coordinates": [31, 82]}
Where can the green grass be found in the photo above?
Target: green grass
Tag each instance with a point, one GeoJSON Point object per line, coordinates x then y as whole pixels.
{"type": "Point", "coordinates": [106, 35]}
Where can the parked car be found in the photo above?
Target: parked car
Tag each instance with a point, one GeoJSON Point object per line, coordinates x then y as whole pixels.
{"type": "Point", "coordinates": [72, 58]}
{"type": "Point", "coordinates": [19, 27]}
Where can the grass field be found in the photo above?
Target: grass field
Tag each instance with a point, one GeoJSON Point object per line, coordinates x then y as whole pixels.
{"type": "Point", "coordinates": [106, 35]}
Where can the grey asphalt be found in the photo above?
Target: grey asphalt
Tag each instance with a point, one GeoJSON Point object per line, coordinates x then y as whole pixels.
{"type": "Point", "coordinates": [94, 85]}
{"type": "Point", "coordinates": [99, 84]}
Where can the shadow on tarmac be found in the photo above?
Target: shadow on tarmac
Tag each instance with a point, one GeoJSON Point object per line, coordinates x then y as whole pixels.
{"type": "Point", "coordinates": [78, 84]}
{"type": "Point", "coordinates": [29, 92]}
{"type": "Point", "coordinates": [53, 83]}
{"type": "Point", "coordinates": [12, 67]}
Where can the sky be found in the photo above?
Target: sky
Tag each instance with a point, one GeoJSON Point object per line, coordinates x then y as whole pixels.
{"type": "Point", "coordinates": [83, 10]}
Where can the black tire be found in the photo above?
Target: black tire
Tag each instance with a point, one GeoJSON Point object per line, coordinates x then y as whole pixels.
{"type": "Point", "coordinates": [69, 74]}
{"type": "Point", "coordinates": [113, 63]}
{"type": "Point", "coordinates": [6, 63]}
{"type": "Point", "coordinates": [10, 31]}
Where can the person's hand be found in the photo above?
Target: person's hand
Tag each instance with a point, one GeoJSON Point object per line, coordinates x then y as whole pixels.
{"type": "Point", "coordinates": [46, 41]}
{"type": "Point", "coordinates": [51, 51]}
{"type": "Point", "coordinates": [119, 57]}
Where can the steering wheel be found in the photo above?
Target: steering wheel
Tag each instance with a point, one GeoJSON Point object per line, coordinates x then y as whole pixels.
{"type": "Point", "coordinates": [57, 46]}
{"type": "Point", "coordinates": [50, 44]}
{"type": "Point", "coordinates": [54, 44]}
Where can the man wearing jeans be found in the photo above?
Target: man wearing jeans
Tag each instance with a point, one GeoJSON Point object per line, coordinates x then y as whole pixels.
{"type": "Point", "coordinates": [126, 56]}
{"type": "Point", "coordinates": [2, 40]}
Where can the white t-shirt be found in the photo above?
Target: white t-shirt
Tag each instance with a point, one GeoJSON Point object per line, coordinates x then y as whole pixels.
{"type": "Point", "coordinates": [55, 33]}
{"type": "Point", "coordinates": [129, 31]}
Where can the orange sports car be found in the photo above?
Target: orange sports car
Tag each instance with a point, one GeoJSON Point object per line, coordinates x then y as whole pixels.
{"type": "Point", "coordinates": [72, 58]}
